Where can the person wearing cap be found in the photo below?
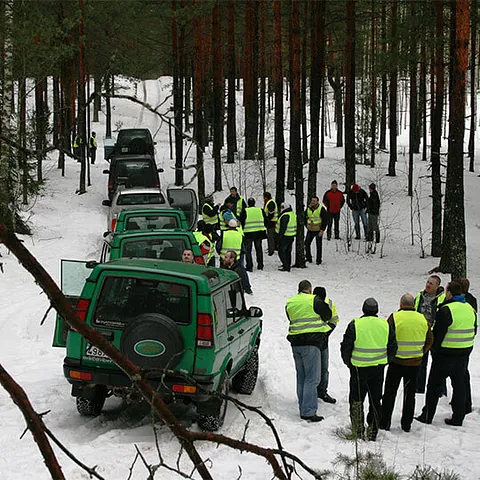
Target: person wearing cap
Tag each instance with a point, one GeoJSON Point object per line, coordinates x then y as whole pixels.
{"type": "Point", "coordinates": [454, 335]}
{"type": "Point", "coordinates": [308, 316]}
{"type": "Point", "coordinates": [373, 211]}
{"type": "Point", "coordinates": [286, 230]}
{"type": "Point", "coordinates": [414, 338]}
{"type": "Point", "coordinates": [238, 205]}
{"type": "Point", "coordinates": [210, 213]}
{"type": "Point", "coordinates": [333, 200]}
{"type": "Point", "coordinates": [316, 222]}
{"type": "Point", "coordinates": [322, 387]}
{"type": "Point", "coordinates": [357, 201]}
{"type": "Point", "coordinates": [254, 232]}
{"type": "Point", "coordinates": [368, 345]}
{"type": "Point", "coordinates": [271, 213]}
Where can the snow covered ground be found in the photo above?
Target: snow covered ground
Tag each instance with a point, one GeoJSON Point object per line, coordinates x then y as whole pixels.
{"type": "Point", "coordinates": [66, 225]}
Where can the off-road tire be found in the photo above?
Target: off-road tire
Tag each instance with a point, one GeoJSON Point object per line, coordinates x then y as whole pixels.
{"type": "Point", "coordinates": [246, 379]}
{"type": "Point", "coordinates": [90, 407]}
{"type": "Point", "coordinates": [212, 421]}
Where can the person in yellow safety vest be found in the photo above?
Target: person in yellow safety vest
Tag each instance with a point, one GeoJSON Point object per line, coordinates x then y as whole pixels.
{"type": "Point", "coordinates": [210, 213]}
{"type": "Point", "coordinates": [414, 339]}
{"type": "Point", "coordinates": [203, 236]}
{"type": "Point", "coordinates": [322, 387]}
{"type": "Point", "coordinates": [92, 147]}
{"type": "Point", "coordinates": [427, 302]}
{"type": "Point", "coordinates": [308, 316]}
{"type": "Point", "coordinates": [454, 334]}
{"type": "Point", "coordinates": [286, 230]}
{"type": "Point", "coordinates": [231, 239]}
{"type": "Point", "coordinates": [77, 147]}
{"type": "Point", "coordinates": [226, 214]}
{"type": "Point", "coordinates": [368, 345]}
{"type": "Point", "coordinates": [316, 221]}
{"type": "Point", "coordinates": [271, 212]}
{"type": "Point", "coordinates": [254, 232]}
{"type": "Point", "coordinates": [238, 203]}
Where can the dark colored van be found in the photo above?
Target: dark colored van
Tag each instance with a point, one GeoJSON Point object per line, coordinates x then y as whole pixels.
{"type": "Point", "coordinates": [134, 141]}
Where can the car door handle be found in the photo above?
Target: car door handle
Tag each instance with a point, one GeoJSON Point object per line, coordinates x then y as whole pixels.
{"type": "Point", "coordinates": [230, 338]}
{"type": "Point", "coordinates": [241, 331]}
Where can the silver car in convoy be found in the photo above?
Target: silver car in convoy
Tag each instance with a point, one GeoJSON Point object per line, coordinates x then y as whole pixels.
{"type": "Point", "coordinates": [128, 198]}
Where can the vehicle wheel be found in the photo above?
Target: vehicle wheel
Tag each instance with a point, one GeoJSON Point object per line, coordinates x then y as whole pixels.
{"type": "Point", "coordinates": [211, 414]}
{"type": "Point", "coordinates": [246, 379]}
{"type": "Point", "coordinates": [152, 341]}
{"type": "Point", "coordinates": [92, 406]}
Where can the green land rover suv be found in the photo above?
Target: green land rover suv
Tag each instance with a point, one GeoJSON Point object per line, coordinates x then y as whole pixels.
{"type": "Point", "coordinates": [187, 318]}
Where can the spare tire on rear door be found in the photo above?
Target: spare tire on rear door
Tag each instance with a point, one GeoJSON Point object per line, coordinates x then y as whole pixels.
{"type": "Point", "coordinates": [152, 341]}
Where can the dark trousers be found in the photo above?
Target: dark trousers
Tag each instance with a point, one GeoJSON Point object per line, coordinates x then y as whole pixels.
{"type": "Point", "coordinates": [308, 246]}
{"type": "Point", "coordinates": [395, 374]}
{"type": "Point", "coordinates": [334, 218]}
{"type": "Point", "coordinates": [271, 241]}
{"type": "Point", "coordinates": [93, 154]}
{"type": "Point", "coordinates": [363, 381]}
{"type": "Point", "coordinates": [442, 368]}
{"type": "Point", "coordinates": [422, 377]}
{"type": "Point", "coordinates": [249, 243]}
{"type": "Point", "coordinates": [285, 251]}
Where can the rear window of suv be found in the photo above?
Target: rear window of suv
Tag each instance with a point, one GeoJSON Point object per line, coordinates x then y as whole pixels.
{"type": "Point", "coordinates": [140, 199]}
{"type": "Point", "coordinates": [159, 248]}
{"type": "Point", "coordinates": [147, 222]}
{"type": "Point", "coordinates": [123, 298]}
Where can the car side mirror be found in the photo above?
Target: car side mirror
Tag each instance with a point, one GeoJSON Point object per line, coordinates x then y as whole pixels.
{"type": "Point", "coordinates": [106, 203]}
{"type": "Point", "coordinates": [106, 172]}
{"type": "Point", "coordinates": [255, 312]}
{"type": "Point", "coordinates": [154, 143]}
{"type": "Point", "coordinates": [91, 264]}
{"type": "Point", "coordinates": [160, 170]}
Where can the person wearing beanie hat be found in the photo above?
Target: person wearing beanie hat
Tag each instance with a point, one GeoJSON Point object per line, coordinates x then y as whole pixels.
{"type": "Point", "coordinates": [357, 201]}
{"type": "Point", "coordinates": [286, 230]}
{"type": "Point", "coordinates": [368, 344]}
{"type": "Point", "coordinates": [333, 200]}
{"type": "Point", "coordinates": [373, 211]}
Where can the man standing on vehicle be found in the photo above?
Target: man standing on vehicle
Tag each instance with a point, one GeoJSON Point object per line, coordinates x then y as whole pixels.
{"type": "Point", "coordinates": [333, 200]}
{"type": "Point", "coordinates": [316, 222]}
{"type": "Point", "coordinates": [254, 232]}
{"type": "Point", "coordinates": [271, 212]}
{"type": "Point", "coordinates": [287, 230]}
{"type": "Point", "coordinates": [454, 334]}
{"type": "Point", "coordinates": [92, 147]}
{"type": "Point", "coordinates": [308, 316]}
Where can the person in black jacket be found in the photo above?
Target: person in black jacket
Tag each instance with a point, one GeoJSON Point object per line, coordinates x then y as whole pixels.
{"type": "Point", "coordinates": [357, 201]}
{"type": "Point", "coordinates": [373, 210]}
{"type": "Point", "coordinates": [454, 332]}
{"type": "Point", "coordinates": [238, 203]}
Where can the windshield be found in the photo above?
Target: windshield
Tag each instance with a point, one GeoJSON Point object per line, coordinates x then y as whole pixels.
{"type": "Point", "coordinates": [154, 222]}
{"type": "Point", "coordinates": [125, 137]}
{"type": "Point", "coordinates": [163, 248]}
{"type": "Point", "coordinates": [140, 199]}
{"type": "Point", "coordinates": [124, 298]}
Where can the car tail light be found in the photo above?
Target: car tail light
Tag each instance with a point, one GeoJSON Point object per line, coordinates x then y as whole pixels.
{"type": "Point", "coordinates": [184, 389]}
{"type": "Point", "coordinates": [114, 222]}
{"type": "Point", "coordinates": [204, 330]}
{"type": "Point", "coordinates": [80, 375]}
{"type": "Point", "coordinates": [200, 260]}
{"type": "Point", "coordinates": [157, 183]}
{"type": "Point", "coordinates": [82, 308]}
{"type": "Point", "coordinates": [110, 187]}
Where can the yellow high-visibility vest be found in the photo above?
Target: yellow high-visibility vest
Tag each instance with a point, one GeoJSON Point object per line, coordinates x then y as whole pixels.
{"type": "Point", "coordinates": [371, 339]}
{"type": "Point", "coordinates": [303, 318]}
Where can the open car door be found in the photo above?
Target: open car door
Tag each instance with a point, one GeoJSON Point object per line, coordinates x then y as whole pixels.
{"type": "Point", "coordinates": [185, 199]}
{"type": "Point", "coordinates": [73, 274]}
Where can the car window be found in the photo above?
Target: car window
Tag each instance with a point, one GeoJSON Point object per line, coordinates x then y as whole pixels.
{"type": "Point", "coordinates": [140, 199]}
{"type": "Point", "coordinates": [147, 222]}
{"type": "Point", "coordinates": [164, 248]}
{"type": "Point", "coordinates": [124, 137]}
{"type": "Point", "coordinates": [235, 303]}
{"type": "Point", "coordinates": [123, 298]}
{"type": "Point", "coordinates": [219, 312]}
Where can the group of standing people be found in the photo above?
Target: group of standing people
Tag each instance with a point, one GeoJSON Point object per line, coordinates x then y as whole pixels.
{"type": "Point", "coordinates": [437, 321]}
{"type": "Point", "coordinates": [92, 147]}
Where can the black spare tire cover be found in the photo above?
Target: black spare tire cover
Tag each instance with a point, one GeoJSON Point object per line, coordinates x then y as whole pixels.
{"type": "Point", "coordinates": [152, 341]}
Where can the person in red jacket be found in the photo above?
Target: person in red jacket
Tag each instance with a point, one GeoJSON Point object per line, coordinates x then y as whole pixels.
{"type": "Point", "coordinates": [333, 200]}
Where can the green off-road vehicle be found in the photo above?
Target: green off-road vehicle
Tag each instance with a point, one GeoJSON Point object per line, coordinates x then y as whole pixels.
{"type": "Point", "coordinates": [187, 318]}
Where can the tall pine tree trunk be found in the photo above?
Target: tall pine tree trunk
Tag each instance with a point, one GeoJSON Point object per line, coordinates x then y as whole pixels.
{"type": "Point", "coordinates": [97, 99]}
{"type": "Point", "coordinates": [473, 89]}
{"type": "Point", "coordinates": [218, 95]}
{"type": "Point", "coordinates": [56, 110]}
{"type": "Point", "coordinates": [382, 141]}
{"type": "Point", "coordinates": [413, 122]}
{"type": "Point", "coordinates": [82, 121]}
{"type": "Point", "coordinates": [22, 136]}
{"type": "Point", "coordinates": [393, 93]}
{"type": "Point", "coordinates": [231, 99]}
{"type": "Point", "coordinates": [279, 147]}
{"type": "Point", "coordinates": [437, 133]}
{"type": "Point", "coordinates": [350, 96]}
{"type": "Point", "coordinates": [39, 119]}
{"type": "Point", "coordinates": [263, 91]}
{"type": "Point", "coordinates": [373, 124]}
